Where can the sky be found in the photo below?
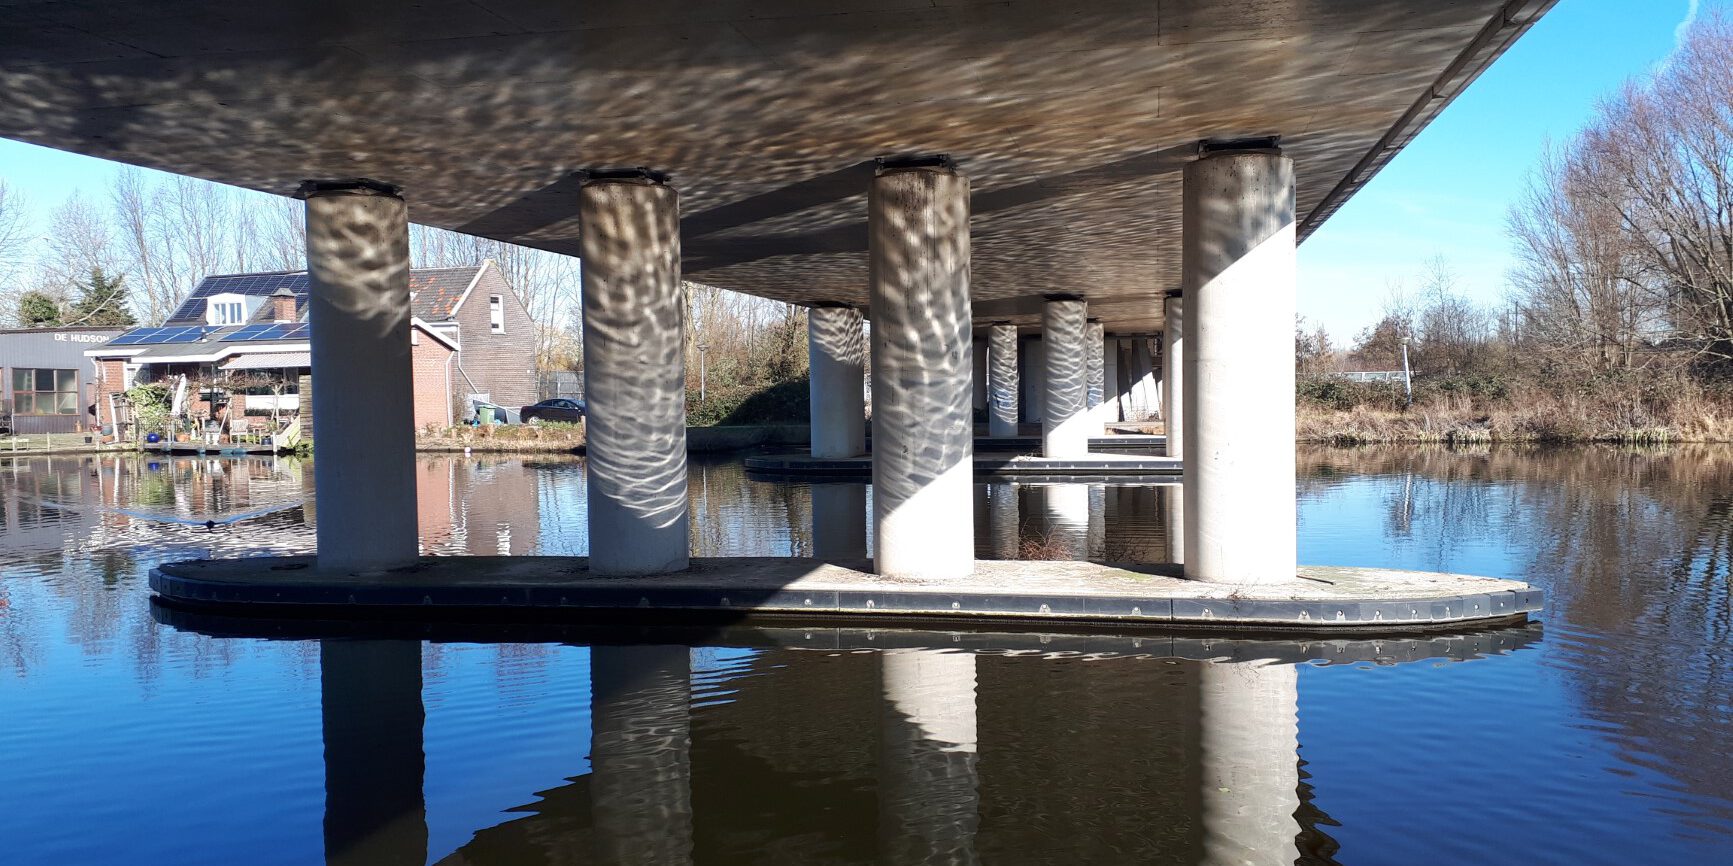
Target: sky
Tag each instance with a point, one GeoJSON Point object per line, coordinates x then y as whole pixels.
{"type": "Point", "coordinates": [1445, 195]}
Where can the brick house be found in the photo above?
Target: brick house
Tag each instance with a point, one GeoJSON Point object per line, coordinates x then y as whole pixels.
{"type": "Point", "coordinates": [243, 338]}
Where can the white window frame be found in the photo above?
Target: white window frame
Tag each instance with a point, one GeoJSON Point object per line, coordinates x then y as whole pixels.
{"type": "Point", "coordinates": [496, 314]}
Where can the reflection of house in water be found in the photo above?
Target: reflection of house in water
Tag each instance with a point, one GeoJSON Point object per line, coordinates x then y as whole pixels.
{"type": "Point", "coordinates": [477, 506]}
{"type": "Point", "coordinates": [909, 756]}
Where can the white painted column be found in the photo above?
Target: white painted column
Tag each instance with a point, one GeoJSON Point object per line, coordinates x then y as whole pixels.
{"type": "Point", "coordinates": [1173, 372]}
{"type": "Point", "coordinates": [1064, 418]}
{"type": "Point", "coordinates": [929, 797]}
{"type": "Point", "coordinates": [1002, 381]}
{"type": "Point", "coordinates": [1250, 762]}
{"type": "Point", "coordinates": [1094, 349]}
{"type": "Point", "coordinates": [364, 401]}
{"type": "Point", "coordinates": [641, 754]}
{"type": "Point", "coordinates": [634, 373]}
{"type": "Point", "coordinates": [836, 355]}
{"type": "Point", "coordinates": [923, 432]}
{"type": "Point", "coordinates": [839, 521]}
{"type": "Point", "coordinates": [1239, 369]}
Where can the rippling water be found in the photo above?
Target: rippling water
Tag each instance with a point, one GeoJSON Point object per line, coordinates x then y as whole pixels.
{"type": "Point", "coordinates": [1608, 740]}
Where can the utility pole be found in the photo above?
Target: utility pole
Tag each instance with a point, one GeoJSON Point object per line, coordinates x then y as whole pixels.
{"type": "Point", "coordinates": [701, 359]}
{"type": "Point", "coordinates": [1407, 377]}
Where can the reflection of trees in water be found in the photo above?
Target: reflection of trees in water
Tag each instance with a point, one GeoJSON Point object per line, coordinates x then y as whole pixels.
{"type": "Point", "coordinates": [1635, 550]}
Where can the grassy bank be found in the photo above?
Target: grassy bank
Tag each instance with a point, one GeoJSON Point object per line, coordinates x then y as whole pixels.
{"type": "Point", "coordinates": [539, 438]}
{"type": "Point", "coordinates": [1469, 412]}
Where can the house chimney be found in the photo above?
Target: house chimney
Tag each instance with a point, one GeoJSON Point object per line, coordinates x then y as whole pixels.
{"type": "Point", "coordinates": [283, 305]}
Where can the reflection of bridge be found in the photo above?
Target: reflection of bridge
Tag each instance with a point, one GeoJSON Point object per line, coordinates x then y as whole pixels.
{"type": "Point", "coordinates": [905, 756]}
{"type": "Point", "coordinates": [944, 169]}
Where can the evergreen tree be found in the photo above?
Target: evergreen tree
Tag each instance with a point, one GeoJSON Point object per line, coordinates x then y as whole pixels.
{"type": "Point", "coordinates": [38, 310]}
{"type": "Point", "coordinates": [102, 301]}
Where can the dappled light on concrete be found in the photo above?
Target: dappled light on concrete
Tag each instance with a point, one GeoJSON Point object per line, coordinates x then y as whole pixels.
{"type": "Point", "coordinates": [1064, 416]}
{"type": "Point", "coordinates": [1239, 369]}
{"type": "Point", "coordinates": [836, 352]}
{"type": "Point", "coordinates": [923, 430]}
{"type": "Point", "coordinates": [634, 310]}
{"type": "Point", "coordinates": [764, 111]}
{"type": "Point", "coordinates": [1002, 413]}
{"type": "Point", "coordinates": [364, 416]}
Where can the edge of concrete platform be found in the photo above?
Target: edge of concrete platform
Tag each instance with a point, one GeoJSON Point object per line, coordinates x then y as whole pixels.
{"type": "Point", "coordinates": [1102, 640]}
{"type": "Point", "coordinates": [1145, 596]}
{"type": "Point", "coordinates": [1095, 469]}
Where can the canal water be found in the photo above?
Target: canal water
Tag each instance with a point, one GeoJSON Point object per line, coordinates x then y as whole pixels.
{"type": "Point", "coordinates": [1603, 736]}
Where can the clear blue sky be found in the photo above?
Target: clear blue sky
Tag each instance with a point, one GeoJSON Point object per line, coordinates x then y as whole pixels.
{"type": "Point", "coordinates": [1446, 194]}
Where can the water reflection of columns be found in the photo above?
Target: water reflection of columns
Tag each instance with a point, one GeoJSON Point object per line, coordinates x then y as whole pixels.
{"type": "Point", "coordinates": [1097, 538]}
{"type": "Point", "coordinates": [839, 521]}
{"type": "Point", "coordinates": [372, 714]}
{"type": "Point", "coordinates": [929, 790]}
{"type": "Point", "coordinates": [1250, 763]}
{"type": "Point", "coordinates": [1173, 521]}
{"type": "Point", "coordinates": [1004, 520]}
{"type": "Point", "coordinates": [641, 754]}
{"type": "Point", "coordinates": [1067, 519]}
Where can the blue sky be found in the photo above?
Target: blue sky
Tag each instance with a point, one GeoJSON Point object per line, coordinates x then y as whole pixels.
{"type": "Point", "coordinates": [1445, 195]}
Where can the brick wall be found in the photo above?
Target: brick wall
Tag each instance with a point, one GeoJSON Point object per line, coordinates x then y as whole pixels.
{"type": "Point", "coordinates": [110, 380]}
{"type": "Point", "coordinates": [503, 365]}
{"type": "Point", "coordinates": [432, 385]}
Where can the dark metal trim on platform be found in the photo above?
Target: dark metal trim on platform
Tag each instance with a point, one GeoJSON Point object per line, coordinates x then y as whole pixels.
{"type": "Point", "coordinates": [1101, 469]}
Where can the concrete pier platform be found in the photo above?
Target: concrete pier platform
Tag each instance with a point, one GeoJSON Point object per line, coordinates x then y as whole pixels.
{"type": "Point", "coordinates": [1093, 467]}
{"type": "Point", "coordinates": [1318, 600]}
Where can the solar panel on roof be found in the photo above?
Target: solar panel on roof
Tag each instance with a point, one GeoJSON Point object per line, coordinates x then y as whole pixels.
{"type": "Point", "coordinates": [272, 331]}
{"type": "Point", "coordinates": [157, 336]}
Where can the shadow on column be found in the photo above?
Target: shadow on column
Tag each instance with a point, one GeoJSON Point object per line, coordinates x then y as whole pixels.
{"type": "Point", "coordinates": [370, 695]}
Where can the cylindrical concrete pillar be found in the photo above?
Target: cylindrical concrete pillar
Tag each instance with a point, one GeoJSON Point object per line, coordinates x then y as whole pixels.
{"type": "Point", "coordinates": [641, 754]}
{"type": "Point", "coordinates": [929, 797]}
{"type": "Point", "coordinates": [1250, 762]}
{"type": "Point", "coordinates": [1002, 381]}
{"type": "Point", "coordinates": [634, 373]}
{"type": "Point", "coordinates": [1239, 369]}
{"type": "Point", "coordinates": [1064, 418]}
{"type": "Point", "coordinates": [839, 521]}
{"type": "Point", "coordinates": [1173, 372]}
{"type": "Point", "coordinates": [1173, 521]}
{"type": "Point", "coordinates": [364, 405]}
{"type": "Point", "coordinates": [1094, 356]}
{"type": "Point", "coordinates": [923, 432]}
{"type": "Point", "coordinates": [836, 355]}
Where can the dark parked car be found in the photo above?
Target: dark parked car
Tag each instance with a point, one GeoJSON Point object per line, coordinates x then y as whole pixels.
{"type": "Point", "coordinates": [557, 409]}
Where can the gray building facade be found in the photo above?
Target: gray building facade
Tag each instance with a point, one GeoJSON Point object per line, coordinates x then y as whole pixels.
{"type": "Point", "coordinates": [47, 385]}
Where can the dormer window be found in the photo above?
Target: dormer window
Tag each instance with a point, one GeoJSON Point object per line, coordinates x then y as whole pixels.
{"type": "Point", "coordinates": [226, 309]}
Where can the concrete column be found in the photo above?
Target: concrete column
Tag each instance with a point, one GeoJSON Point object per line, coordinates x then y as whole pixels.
{"type": "Point", "coordinates": [923, 433]}
{"type": "Point", "coordinates": [641, 754]}
{"type": "Point", "coordinates": [1064, 418]}
{"type": "Point", "coordinates": [1239, 368]}
{"type": "Point", "coordinates": [1173, 373]}
{"type": "Point", "coordinates": [364, 406]}
{"type": "Point", "coordinates": [634, 373]}
{"type": "Point", "coordinates": [1173, 521]}
{"type": "Point", "coordinates": [372, 718]}
{"type": "Point", "coordinates": [1094, 350]}
{"type": "Point", "coordinates": [1250, 761]}
{"type": "Point", "coordinates": [839, 521]}
{"type": "Point", "coordinates": [836, 355]}
{"type": "Point", "coordinates": [929, 801]}
{"type": "Point", "coordinates": [1002, 381]}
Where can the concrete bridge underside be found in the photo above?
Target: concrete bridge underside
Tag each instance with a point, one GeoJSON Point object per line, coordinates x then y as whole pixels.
{"type": "Point", "coordinates": [1071, 119]}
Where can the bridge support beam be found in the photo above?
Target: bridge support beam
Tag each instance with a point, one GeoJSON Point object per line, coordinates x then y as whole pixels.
{"type": "Point", "coordinates": [1238, 418]}
{"type": "Point", "coordinates": [836, 355]}
{"type": "Point", "coordinates": [1002, 381]}
{"type": "Point", "coordinates": [634, 373]}
{"type": "Point", "coordinates": [364, 406]}
{"type": "Point", "coordinates": [1065, 417]}
{"type": "Point", "coordinates": [922, 360]}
